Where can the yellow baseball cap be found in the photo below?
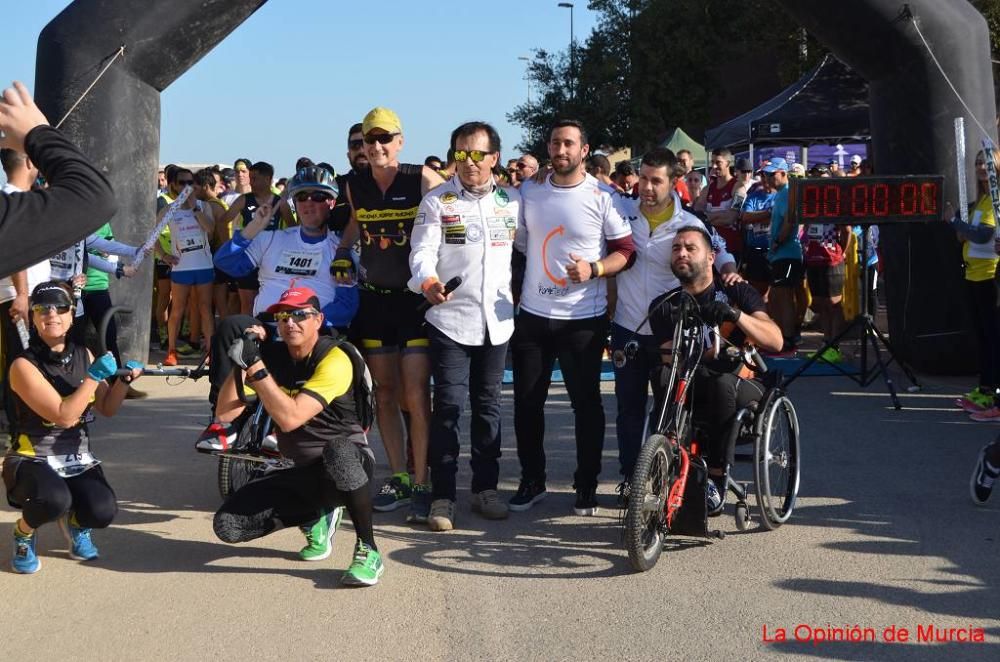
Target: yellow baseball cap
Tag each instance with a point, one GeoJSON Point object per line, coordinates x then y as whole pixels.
{"type": "Point", "coordinates": [381, 118]}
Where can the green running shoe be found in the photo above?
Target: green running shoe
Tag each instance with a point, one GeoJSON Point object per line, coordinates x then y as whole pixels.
{"type": "Point", "coordinates": [319, 536]}
{"type": "Point", "coordinates": [365, 569]}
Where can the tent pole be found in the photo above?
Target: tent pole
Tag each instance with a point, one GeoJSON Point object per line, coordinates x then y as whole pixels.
{"type": "Point", "coordinates": [751, 156]}
{"type": "Point", "coordinates": [805, 157]}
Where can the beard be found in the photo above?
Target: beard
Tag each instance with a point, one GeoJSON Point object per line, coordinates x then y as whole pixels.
{"type": "Point", "coordinates": [571, 167]}
{"type": "Point", "coordinates": [689, 272]}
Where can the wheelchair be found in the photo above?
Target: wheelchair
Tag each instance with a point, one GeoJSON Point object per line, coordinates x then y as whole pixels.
{"type": "Point", "coordinates": [667, 494]}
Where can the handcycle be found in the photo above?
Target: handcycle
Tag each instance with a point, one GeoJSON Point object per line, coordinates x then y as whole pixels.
{"type": "Point", "coordinates": [667, 492]}
{"type": "Point", "coordinates": [250, 455]}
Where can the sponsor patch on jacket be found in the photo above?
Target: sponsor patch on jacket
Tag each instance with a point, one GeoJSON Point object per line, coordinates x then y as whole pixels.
{"type": "Point", "coordinates": [448, 198]}
{"type": "Point", "coordinates": [450, 219]}
{"type": "Point", "coordinates": [474, 233]}
{"type": "Point", "coordinates": [501, 197]}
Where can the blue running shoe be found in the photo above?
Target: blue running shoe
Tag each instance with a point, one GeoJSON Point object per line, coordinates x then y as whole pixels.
{"type": "Point", "coordinates": [25, 560]}
{"type": "Point", "coordinates": [81, 547]}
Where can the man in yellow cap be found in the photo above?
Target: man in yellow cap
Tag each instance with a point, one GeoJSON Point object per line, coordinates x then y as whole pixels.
{"type": "Point", "coordinates": [384, 198]}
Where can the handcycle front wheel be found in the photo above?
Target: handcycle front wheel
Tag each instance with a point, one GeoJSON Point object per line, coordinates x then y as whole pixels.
{"type": "Point", "coordinates": [645, 518]}
{"type": "Point", "coordinates": [776, 461]}
{"type": "Point", "coordinates": [235, 472]}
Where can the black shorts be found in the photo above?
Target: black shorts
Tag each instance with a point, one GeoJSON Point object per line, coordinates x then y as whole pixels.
{"type": "Point", "coordinates": [221, 277]}
{"type": "Point", "coordinates": [756, 268]}
{"type": "Point", "coordinates": [249, 282]}
{"type": "Point", "coordinates": [826, 281]}
{"type": "Point", "coordinates": [389, 322]}
{"type": "Point", "coordinates": [162, 270]}
{"type": "Point", "coordinates": [786, 273]}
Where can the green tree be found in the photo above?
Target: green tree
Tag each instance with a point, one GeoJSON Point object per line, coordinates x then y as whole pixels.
{"type": "Point", "coordinates": [652, 65]}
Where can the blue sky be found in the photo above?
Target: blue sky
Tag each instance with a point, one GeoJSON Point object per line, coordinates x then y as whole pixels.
{"type": "Point", "coordinates": [436, 63]}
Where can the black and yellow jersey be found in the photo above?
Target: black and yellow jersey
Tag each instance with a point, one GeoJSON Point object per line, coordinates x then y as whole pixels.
{"type": "Point", "coordinates": [327, 374]}
{"type": "Point", "coordinates": [385, 222]}
{"type": "Point", "coordinates": [33, 435]}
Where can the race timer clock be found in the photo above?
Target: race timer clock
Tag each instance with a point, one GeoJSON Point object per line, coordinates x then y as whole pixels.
{"type": "Point", "coordinates": [866, 200]}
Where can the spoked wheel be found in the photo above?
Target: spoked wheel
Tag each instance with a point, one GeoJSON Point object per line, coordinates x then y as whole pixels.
{"type": "Point", "coordinates": [235, 472]}
{"type": "Point", "coordinates": [776, 462]}
{"type": "Point", "coordinates": [645, 519]}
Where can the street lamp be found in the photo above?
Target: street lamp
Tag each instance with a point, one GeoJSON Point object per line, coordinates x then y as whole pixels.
{"type": "Point", "coordinates": [526, 60]}
{"type": "Point", "coordinates": [572, 57]}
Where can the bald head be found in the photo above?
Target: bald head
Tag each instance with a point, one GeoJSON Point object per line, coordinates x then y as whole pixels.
{"type": "Point", "coordinates": [527, 166]}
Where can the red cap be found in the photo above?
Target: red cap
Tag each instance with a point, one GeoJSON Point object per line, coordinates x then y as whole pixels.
{"type": "Point", "coordinates": [294, 298]}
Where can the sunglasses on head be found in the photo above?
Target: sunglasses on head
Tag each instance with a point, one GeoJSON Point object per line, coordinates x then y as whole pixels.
{"type": "Point", "coordinates": [477, 155]}
{"type": "Point", "coordinates": [43, 308]}
{"type": "Point", "coordinates": [315, 196]}
{"type": "Point", "coordinates": [380, 138]}
{"type": "Point", "coordinates": [357, 143]}
{"type": "Point", "coordinates": [297, 316]}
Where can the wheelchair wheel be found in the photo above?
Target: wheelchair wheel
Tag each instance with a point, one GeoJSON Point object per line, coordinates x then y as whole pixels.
{"type": "Point", "coordinates": [235, 472]}
{"type": "Point", "coordinates": [645, 519]}
{"type": "Point", "coordinates": [776, 461]}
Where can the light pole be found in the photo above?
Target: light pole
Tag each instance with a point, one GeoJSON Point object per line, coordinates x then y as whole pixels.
{"type": "Point", "coordinates": [526, 60]}
{"type": "Point", "coordinates": [572, 56]}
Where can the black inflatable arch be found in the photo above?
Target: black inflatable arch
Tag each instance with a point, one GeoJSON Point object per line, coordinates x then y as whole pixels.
{"type": "Point", "coordinates": [118, 124]}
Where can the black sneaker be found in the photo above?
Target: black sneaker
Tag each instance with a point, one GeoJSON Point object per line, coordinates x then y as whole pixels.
{"type": "Point", "coordinates": [716, 498]}
{"type": "Point", "coordinates": [420, 504]}
{"type": "Point", "coordinates": [984, 476]}
{"type": "Point", "coordinates": [624, 489]}
{"type": "Point", "coordinates": [528, 494]}
{"type": "Point", "coordinates": [394, 493]}
{"type": "Point", "coordinates": [586, 502]}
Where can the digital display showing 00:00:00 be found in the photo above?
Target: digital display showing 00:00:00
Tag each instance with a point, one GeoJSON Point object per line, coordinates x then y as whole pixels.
{"type": "Point", "coordinates": [863, 200]}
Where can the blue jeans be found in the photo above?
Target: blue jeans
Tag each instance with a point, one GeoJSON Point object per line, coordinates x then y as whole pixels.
{"type": "Point", "coordinates": [460, 370]}
{"type": "Point", "coordinates": [631, 392]}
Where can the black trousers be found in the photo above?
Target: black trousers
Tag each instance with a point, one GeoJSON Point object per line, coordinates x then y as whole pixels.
{"type": "Point", "coordinates": [578, 344]}
{"type": "Point", "coordinates": [11, 348]}
{"type": "Point", "coordinates": [95, 304]}
{"type": "Point", "coordinates": [44, 496]}
{"type": "Point", "coordinates": [982, 296]}
{"type": "Point", "coordinates": [460, 372]}
{"type": "Point", "coordinates": [717, 398]}
{"type": "Point", "coordinates": [229, 329]}
{"type": "Point", "coordinates": [297, 496]}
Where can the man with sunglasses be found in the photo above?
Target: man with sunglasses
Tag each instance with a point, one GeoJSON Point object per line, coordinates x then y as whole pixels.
{"type": "Point", "coordinates": [466, 227]}
{"type": "Point", "coordinates": [306, 383]}
{"type": "Point", "coordinates": [526, 167]}
{"type": "Point", "coordinates": [340, 215]}
{"type": "Point", "coordinates": [243, 208]}
{"type": "Point", "coordinates": [300, 254]}
{"type": "Point", "coordinates": [389, 328]}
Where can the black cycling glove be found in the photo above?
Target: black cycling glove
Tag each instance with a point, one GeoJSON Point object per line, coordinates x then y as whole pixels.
{"type": "Point", "coordinates": [717, 312]}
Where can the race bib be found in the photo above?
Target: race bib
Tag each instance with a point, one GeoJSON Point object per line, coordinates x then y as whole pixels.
{"type": "Point", "coordinates": [299, 262]}
{"type": "Point", "coordinates": [72, 464]}
{"type": "Point", "coordinates": [190, 238]}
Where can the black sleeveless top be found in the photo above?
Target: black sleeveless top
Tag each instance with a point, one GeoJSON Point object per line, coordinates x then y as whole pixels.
{"type": "Point", "coordinates": [386, 223]}
{"type": "Point", "coordinates": [251, 206]}
{"type": "Point", "coordinates": [33, 435]}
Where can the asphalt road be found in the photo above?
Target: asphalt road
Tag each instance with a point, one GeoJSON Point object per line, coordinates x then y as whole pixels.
{"type": "Point", "coordinates": [884, 535]}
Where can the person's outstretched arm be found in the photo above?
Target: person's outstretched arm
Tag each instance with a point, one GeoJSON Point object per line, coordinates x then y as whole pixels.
{"type": "Point", "coordinates": [37, 224]}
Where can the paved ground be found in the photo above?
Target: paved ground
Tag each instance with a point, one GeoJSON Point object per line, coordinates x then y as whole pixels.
{"type": "Point", "coordinates": [884, 535]}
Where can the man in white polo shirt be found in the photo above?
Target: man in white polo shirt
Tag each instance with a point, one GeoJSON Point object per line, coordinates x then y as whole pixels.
{"type": "Point", "coordinates": [465, 227]}
{"type": "Point", "coordinates": [572, 238]}
{"type": "Point", "coordinates": [655, 218]}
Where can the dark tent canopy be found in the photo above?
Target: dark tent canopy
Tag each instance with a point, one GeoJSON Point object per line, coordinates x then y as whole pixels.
{"type": "Point", "coordinates": [827, 105]}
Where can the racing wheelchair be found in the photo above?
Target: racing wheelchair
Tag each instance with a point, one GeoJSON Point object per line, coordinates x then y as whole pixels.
{"type": "Point", "coordinates": [667, 494]}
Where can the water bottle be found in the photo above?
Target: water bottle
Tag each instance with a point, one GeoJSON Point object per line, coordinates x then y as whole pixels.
{"type": "Point", "coordinates": [22, 330]}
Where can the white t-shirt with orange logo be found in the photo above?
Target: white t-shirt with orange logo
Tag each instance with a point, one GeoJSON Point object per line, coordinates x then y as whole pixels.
{"type": "Point", "coordinates": [559, 221]}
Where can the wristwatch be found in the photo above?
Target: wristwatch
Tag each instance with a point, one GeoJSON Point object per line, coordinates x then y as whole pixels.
{"type": "Point", "coordinates": [257, 376]}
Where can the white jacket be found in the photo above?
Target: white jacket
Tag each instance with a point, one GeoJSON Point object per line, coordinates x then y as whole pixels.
{"type": "Point", "coordinates": [651, 276]}
{"type": "Point", "coordinates": [457, 234]}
